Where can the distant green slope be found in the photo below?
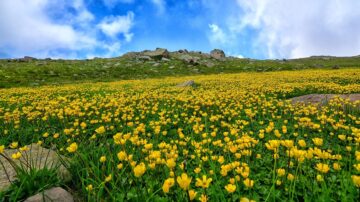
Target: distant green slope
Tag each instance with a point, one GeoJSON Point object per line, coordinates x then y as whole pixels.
{"type": "Point", "coordinates": [33, 72]}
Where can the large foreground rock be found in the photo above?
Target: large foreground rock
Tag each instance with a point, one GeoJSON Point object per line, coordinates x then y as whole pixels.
{"type": "Point", "coordinates": [323, 99]}
{"type": "Point", "coordinates": [36, 156]}
{"type": "Point", "coordinates": [56, 194]}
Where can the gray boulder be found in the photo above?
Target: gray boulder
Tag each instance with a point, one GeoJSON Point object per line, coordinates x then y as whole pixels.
{"type": "Point", "coordinates": [56, 194]}
{"type": "Point", "coordinates": [189, 59]}
{"type": "Point", "coordinates": [186, 83]}
{"type": "Point", "coordinates": [217, 54]}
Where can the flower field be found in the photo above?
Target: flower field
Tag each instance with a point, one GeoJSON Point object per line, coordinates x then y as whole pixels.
{"type": "Point", "coordinates": [232, 137]}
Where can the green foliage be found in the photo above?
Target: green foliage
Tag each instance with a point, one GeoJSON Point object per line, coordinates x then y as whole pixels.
{"type": "Point", "coordinates": [55, 72]}
{"type": "Point", "coordinates": [30, 182]}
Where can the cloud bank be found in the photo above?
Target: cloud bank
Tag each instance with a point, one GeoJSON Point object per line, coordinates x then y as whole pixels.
{"type": "Point", "coordinates": [292, 28]}
{"type": "Point", "coordinates": [27, 28]}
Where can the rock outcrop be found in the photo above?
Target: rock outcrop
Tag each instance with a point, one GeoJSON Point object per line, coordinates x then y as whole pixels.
{"type": "Point", "coordinates": [217, 54]}
{"type": "Point", "coordinates": [157, 54]}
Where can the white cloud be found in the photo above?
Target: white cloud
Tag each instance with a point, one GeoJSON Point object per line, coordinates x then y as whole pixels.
{"type": "Point", "coordinates": [292, 28]}
{"type": "Point", "coordinates": [25, 29]}
{"type": "Point", "coordinates": [114, 25]}
{"type": "Point", "coordinates": [217, 35]}
{"type": "Point", "coordinates": [28, 28]}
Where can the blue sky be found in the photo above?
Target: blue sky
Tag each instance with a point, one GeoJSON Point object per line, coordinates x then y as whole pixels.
{"type": "Point", "coordinates": [108, 28]}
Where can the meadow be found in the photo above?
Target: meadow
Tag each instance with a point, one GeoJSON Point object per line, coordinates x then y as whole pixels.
{"type": "Point", "coordinates": [231, 137]}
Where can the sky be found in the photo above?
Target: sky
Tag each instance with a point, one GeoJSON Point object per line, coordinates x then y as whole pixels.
{"type": "Point", "coordinates": [258, 29]}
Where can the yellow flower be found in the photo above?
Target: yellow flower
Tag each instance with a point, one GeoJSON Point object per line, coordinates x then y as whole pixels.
{"type": "Point", "coordinates": [244, 199]}
{"type": "Point", "coordinates": [168, 184]}
{"type": "Point", "coordinates": [356, 180]}
{"type": "Point", "coordinates": [192, 194]}
{"type": "Point", "coordinates": [139, 170]}
{"type": "Point", "coordinates": [204, 182]}
{"type": "Point", "coordinates": [100, 130]}
{"type": "Point", "coordinates": [184, 181]}
{"type": "Point", "coordinates": [45, 135]}
{"type": "Point", "coordinates": [122, 155]}
{"type": "Point", "coordinates": [197, 170]}
{"type": "Point", "coordinates": [14, 145]}
{"type": "Point", "coordinates": [342, 137]}
{"type": "Point", "coordinates": [102, 159]}
{"type": "Point", "coordinates": [119, 166]}
{"type": "Point", "coordinates": [317, 141]}
{"type": "Point", "coordinates": [2, 148]}
{"type": "Point", "coordinates": [108, 178]}
{"type": "Point", "coordinates": [89, 187]}
{"type": "Point", "coordinates": [302, 143]}
{"type": "Point", "coordinates": [24, 148]}
{"type": "Point", "coordinates": [56, 135]}
{"type": "Point", "coordinates": [16, 155]}
{"type": "Point", "coordinates": [319, 178]}
{"type": "Point", "coordinates": [321, 167]}
{"type": "Point", "coordinates": [290, 177]}
{"type": "Point", "coordinates": [280, 171]}
{"type": "Point", "coordinates": [203, 198]}
{"type": "Point", "coordinates": [278, 182]}
{"type": "Point", "coordinates": [248, 183]}
{"type": "Point", "coordinates": [230, 188]}
{"type": "Point", "coordinates": [171, 163]}
{"type": "Point", "coordinates": [72, 148]}
{"type": "Point", "coordinates": [336, 166]}
{"type": "Point", "coordinates": [83, 125]}
{"type": "Point", "coordinates": [357, 166]}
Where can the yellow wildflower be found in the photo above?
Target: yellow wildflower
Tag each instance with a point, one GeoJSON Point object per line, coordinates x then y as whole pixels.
{"type": "Point", "coordinates": [204, 182]}
{"type": "Point", "coordinates": [102, 159]}
{"type": "Point", "coordinates": [321, 167]}
{"type": "Point", "coordinates": [356, 180]}
{"type": "Point", "coordinates": [280, 171]}
{"type": "Point", "coordinates": [100, 130]}
{"type": "Point", "coordinates": [192, 194]}
{"type": "Point", "coordinates": [230, 188]}
{"type": "Point", "coordinates": [16, 155]}
{"type": "Point", "coordinates": [108, 178]}
{"type": "Point", "coordinates": [72, 148]}
{"type": "Point", "coordinates": [248, 183]}
{"type": "Point", "coordinates": [168, 184]}
{"type": "Point", "coordinates": [139, 170]}
{"type": "Point", "coordinates": [14, 145]}
{"type": "Point", "coordinates": [184, 181]}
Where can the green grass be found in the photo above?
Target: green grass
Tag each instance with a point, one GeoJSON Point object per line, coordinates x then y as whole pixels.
{"type": "Point", "coordinates": [54, 72]}
{"type": "Point", "coordinates": [30, 182]}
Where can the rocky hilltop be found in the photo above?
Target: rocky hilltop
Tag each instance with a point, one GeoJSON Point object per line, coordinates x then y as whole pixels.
{"type": "Point", "coordinates": [189, 57]}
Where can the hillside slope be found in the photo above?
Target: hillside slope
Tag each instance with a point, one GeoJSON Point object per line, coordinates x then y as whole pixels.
{"type": "Point", "coordinates": [30, 71]}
